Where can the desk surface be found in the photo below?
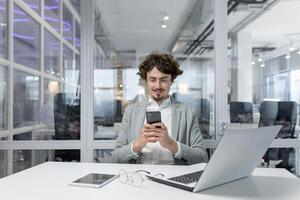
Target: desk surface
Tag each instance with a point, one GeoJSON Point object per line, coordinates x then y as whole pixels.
{"type": "Point", "coordinates": [49, 181]}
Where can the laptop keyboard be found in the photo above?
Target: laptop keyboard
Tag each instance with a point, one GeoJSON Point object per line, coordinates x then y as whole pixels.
{"type": "Point", "coordinates": [187, 178]}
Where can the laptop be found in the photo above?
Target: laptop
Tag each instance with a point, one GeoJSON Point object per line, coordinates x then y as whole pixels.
{"type": "Point", "coordinates": [236, 156]}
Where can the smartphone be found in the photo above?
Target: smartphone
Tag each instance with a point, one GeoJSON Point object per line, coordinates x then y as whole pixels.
{"type": "Point", "coordinates": [153, 117]}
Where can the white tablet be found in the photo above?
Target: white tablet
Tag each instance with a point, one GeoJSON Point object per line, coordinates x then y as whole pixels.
{"type": "Point", "coordinates": [94, 180]}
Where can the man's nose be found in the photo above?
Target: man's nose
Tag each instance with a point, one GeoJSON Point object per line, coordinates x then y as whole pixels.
{"type": "Point", "coordinates": [158, 84]}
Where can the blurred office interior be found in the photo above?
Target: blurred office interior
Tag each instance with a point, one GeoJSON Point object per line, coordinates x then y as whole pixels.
{"type": "Point", "coordinates": [68, 70]}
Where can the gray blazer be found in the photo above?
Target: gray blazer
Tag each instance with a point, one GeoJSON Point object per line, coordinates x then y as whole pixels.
{"type": "Point", "coordinates": [185, 130]}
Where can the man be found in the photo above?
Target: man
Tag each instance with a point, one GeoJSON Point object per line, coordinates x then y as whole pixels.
{"type": "Point", "coordinates": [175, 140]}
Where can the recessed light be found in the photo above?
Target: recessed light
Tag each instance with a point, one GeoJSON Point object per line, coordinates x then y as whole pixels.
{"type": "Point", "coordinates": [291, 48]}
{"type": "Point", "coordinates": [287, 56]}
{"type": "Point", "coordinates": [166, 18]}
{"type": "Point", "coordinates": [263, 65]}
{"type": "Point", "coordinates": [260, 59]}
{"type": "Point", "coordinates": [164, 25]}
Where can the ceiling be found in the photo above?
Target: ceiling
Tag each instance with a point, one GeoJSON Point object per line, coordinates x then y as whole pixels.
{"type": "Point", "coordinates": [135, 25]}
{"type": "Point", "coordinates": [278, 25]}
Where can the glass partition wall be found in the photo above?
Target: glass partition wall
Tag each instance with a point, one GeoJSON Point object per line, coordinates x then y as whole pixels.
{"type": "Point", "coordinates": [263, 87]}
{"type": "Point", "coordinates": [40, 83]}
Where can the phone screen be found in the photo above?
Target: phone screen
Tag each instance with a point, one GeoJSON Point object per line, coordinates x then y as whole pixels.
{"type": "Point", "coordinates": [153, 117]}
{"type": "Point", "coordinates": [94, 180]}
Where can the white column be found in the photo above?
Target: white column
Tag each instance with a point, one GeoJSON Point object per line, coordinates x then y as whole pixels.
{"type": "Point", "coordinates": [244, 66]}
{"type": "Point", "coordinates": [221, 66]}
{"type": "Point", "coordinates": [87, 80]}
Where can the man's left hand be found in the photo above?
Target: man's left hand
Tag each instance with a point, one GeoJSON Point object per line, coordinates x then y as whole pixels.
{"type": "Point", "coordinates": [161, 133]}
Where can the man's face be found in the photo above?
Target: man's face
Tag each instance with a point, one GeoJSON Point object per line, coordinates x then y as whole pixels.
{"type": "Point", "coordinates": [158, 84]}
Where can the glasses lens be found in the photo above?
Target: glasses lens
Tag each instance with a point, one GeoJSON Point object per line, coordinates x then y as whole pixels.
{"type": "Point", "coordinates": [137, 179]}
{"type": "Point", "coordinates": [123, 176]}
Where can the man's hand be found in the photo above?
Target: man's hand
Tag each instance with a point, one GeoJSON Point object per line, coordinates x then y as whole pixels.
{"type": "Point", "coordinates": [159, 132]}
{"type": "Point", "coordinates": [142, 140]}
{"type": "Point", "coordinates": [139, 144]}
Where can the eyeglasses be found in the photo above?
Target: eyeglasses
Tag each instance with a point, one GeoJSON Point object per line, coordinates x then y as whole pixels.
{"type": "Point", "coordinates": [134, 178]}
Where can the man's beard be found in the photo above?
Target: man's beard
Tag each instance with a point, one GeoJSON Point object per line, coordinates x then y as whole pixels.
{"type": "Point", "coordinates": [159, 97]}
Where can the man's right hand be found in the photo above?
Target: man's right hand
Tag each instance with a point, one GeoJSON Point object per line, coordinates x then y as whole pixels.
{"type": "Point", "coordinates": [141, 141]}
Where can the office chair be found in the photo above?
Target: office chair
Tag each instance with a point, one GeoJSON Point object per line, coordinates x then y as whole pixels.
{"type": "Point", "coordinates": [203, 111]}
{"type": "Point", "coordinates": [268, 113]}
{"type": "Point", "coordinates": [287, 118]}
{"type": "Point", "coordinates": [67, 125]}
{"type": "Point", "coordinates": [241, 112]}
{"type": "Point", "coordinates": [282, 113]}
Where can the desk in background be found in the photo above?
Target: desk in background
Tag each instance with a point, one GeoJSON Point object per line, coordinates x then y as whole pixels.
{"type": "Point", "coordinates": [49, 181]}
{"type": "Point", "coordinates": [106, 133]}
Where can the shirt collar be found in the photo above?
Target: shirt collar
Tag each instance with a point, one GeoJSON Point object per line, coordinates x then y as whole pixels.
{"type": "Point", "coordinates": [165, 103]}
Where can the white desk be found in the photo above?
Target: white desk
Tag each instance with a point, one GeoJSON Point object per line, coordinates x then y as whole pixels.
{"type": "Point", "coordinates": [49, 181]}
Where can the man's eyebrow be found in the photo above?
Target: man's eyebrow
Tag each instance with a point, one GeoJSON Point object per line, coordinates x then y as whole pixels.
{"type": "Point", "coordinates": [163, 77]}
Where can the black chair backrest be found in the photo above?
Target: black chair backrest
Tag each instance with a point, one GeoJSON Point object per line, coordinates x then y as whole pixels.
{"type": "Point", "coordinates": [67, 124]}
{"type": "Point", "coordinates": [66, 117]}
{"type": "Point", "coordinates": [241, 112]}
{"type": "Point", "coordinates": [268, 113]}
{"type": "Point", "coordinates": [287, 117]}
{"type": "Point", "coordinates": [282, 113]}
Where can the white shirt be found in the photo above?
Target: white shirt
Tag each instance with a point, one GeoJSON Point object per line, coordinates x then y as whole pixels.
{"type": "Point", "coordinates": [154, 153]}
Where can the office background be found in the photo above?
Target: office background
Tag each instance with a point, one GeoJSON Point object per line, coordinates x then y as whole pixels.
{"type": "Point", "coordinates": [68, 70]}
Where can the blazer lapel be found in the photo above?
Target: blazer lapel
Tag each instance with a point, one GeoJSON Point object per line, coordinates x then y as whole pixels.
{"type": "Point", "coordinates": [140, 117]}
{"type": "Point", "coordinates": [176, 114]}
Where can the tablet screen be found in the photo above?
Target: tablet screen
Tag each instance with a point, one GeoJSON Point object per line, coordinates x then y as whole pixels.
{"type": "Point", "coordinates": [94, 179]}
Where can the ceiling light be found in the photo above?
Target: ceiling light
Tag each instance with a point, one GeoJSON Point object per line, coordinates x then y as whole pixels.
{"type": "Point", "coordinates": [298, 52]}
{"type": "Point", "coordinates": [260, 59]}
{"type": "Point", "coordinates": [253, 63]}
{"type": "Point", "coordinates": [262, 65]}
{"type": "Point", "coordinates": [292, 48]}
{"type": "Point", "coordinates": [287, 56]}
{"type": "Point", "coordinates": [166, 18]}
{"type": "Point", "coordinates": [164, 25]}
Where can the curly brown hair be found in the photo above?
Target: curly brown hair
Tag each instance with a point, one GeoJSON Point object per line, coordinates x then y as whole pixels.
{"type": "Point", "coordinates": [165, 63]}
